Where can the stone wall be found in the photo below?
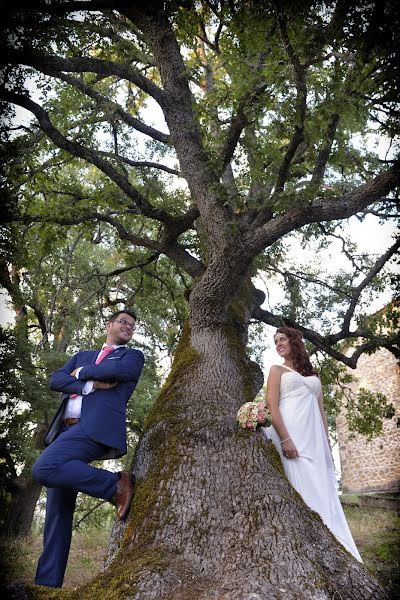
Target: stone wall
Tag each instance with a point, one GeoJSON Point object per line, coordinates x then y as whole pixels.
{"type": "Point", "coordinates": [374, 465]}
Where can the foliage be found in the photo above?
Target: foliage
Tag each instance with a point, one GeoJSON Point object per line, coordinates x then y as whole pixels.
{"type": "Point", "coordinates": [313, 79]}
{"type": "Point", "coordinates": [161, 168]}
{"type": "Point", "coordinates": [365, 414]}
{"type": "Point", "coordinates": [376, 532]}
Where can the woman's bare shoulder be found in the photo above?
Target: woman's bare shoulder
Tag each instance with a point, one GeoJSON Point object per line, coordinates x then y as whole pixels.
{"type": "Point", "coordinates": [276, 368]}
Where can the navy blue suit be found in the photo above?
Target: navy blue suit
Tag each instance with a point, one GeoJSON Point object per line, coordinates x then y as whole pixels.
{"type": "Point", "coordinates": [64, 466]}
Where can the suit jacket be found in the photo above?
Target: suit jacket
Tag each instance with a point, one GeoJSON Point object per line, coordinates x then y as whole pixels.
{"type": "Point", "coordinates": [103, 414]}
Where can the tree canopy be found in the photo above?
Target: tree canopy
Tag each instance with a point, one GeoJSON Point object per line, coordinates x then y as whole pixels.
{"type": "Point", "coordinates": [247, 134]}
{"type": "Point", "coordinates": [174, 152]}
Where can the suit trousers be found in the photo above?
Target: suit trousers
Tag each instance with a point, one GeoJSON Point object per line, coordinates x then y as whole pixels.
{"type": "Point", "coordinates": [64, 469]}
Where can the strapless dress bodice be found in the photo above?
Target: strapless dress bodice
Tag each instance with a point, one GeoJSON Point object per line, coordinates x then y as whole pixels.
{"type": "Point", "coordinates": [293, 384]}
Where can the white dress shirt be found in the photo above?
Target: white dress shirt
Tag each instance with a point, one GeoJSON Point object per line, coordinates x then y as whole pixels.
{"type": "Point", "coordinates": [74, 405]}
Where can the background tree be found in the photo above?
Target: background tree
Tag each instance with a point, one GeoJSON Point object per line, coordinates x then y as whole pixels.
{"type": "Point", "coordinates": [53, 295]}
{"type": "Point", "coordinates": [261, 102]}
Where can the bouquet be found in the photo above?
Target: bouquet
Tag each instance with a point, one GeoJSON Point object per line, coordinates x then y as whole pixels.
{"type": "Point", "coordinates": [252, 415]}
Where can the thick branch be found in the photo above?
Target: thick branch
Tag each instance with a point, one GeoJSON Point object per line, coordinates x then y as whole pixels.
{"type": "Point", "coordinates": [324, 343]}
{"type": "Point", "coordinates": [182, 121]}
{"type": "Point", "coordinates": [102, 101]}
{"type": "Point", "coordinates": [87, 154]}
{"type": "Point", "coordinates": [324, 209]}
{"type": "Point", "coordinates": [42, 60]}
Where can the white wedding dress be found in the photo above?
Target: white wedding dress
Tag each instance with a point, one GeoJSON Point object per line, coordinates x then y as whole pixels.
{"type": "Point", "coordinates": [312, 474]}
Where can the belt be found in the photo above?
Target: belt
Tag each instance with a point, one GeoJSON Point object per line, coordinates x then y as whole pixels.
{"type": "Point", "coordinates": [71, 421]}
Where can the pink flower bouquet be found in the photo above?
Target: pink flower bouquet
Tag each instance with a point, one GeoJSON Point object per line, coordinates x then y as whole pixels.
{"type": "Point", "coordinates": [252, 415]}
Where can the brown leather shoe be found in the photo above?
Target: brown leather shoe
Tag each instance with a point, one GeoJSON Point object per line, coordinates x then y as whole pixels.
{"type": "Point", "coordinates": [123, 495]}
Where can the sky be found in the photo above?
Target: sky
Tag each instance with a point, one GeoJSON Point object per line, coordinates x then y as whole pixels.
{"type": "Point", "coordinates": [370, 236]}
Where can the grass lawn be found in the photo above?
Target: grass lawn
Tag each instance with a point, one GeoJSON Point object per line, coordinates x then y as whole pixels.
{"type": "Point", "coordinates": [376, 532]}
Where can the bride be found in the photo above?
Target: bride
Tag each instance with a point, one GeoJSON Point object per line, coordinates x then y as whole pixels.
{"type": "Point", "coordinates": [299, 430]}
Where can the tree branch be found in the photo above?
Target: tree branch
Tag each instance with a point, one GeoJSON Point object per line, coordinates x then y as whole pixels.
{"type": "Point", "coordinates": [344, 250]}
{"type": "Point", "coordinates": [98, 504]}
{"type": "Point", "coordinates": [379, 264]}
{"type": "Point", "coordinates": [141, 163]}
{"type": "Point", "coordinates": [62, 7]}
{"type": "Point", "coordinates": [323, 155]}
{"type": "Point", "coordinates": [169, 246]}
{"type": "Point", "coordinates": [324, 343]}
{"type": "Point", "coordinates": [241, 119]}
{"type": "Point", "coordinates": [183, 122]}
{"type": "Point", "coordinates": [323, 209]}
{"type": "Point", "coordinates": [42, 61]}
{"type": "Point", "coordinates": [87, 154]}
{"type": "Point", "coordinates": [102, 101]}
{"type": "Point", "coordinates": [300, 105]}
{"type": "Point", "coordinates": [239, 122]}
{"type": "Point", "coordinates": [144, 263]}
{"type": "Point", "coordinates": [309, 279]}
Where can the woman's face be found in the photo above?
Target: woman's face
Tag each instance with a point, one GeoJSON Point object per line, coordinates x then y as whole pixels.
{"type": "Point", "coordinates": [282, 345]}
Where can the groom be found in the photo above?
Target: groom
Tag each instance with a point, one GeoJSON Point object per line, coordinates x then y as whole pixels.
{"type": "Point", "coordinates": [89, 425]}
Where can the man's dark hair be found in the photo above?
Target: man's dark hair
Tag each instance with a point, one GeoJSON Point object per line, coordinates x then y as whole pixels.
{"type": "Point", "coordinates": [122, 312]}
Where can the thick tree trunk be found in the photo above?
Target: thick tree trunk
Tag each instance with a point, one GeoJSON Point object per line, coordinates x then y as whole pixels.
{"type": "Point", "coordinates": [214, 516]}
{"type": "Point", "coordinates": [25, 493]}
{"type": "Point", "coordinates": [22, 507]}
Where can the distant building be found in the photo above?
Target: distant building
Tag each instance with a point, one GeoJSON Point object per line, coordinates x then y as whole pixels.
{"type": "Point", "coordinates": [371, 466]}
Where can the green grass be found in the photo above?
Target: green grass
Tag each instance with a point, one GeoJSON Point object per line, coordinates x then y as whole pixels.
{"type": "Point", "coordinates": [88, 551]}
{"type": "Point", "coordinates": [377, 535]}
{"type": "Point", "coordinates": [376, 532]}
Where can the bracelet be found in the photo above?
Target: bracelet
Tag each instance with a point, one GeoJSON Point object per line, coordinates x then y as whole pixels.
{"type": "Point", "coordinates": [289, 438]}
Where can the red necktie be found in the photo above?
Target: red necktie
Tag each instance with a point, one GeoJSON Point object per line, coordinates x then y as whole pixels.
{"type": "Point", "coordinates": [102, 354]}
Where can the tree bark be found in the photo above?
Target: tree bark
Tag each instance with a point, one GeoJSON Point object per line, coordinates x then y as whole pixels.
{"type": "Point", "coordinates": [213, 516]}
{"type": "Point", "coordinates": [22, 507]}
{"type": "Point", "coordinates": [25, 493]}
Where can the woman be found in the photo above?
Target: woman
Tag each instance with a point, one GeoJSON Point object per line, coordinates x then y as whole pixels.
{"type": "Point", "coordinates": [299, 430]}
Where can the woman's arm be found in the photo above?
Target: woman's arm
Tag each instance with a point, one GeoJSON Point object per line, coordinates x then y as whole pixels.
{"type": "Point", "coordinates": [272, 401]}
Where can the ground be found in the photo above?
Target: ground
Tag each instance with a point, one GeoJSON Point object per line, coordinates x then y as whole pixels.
{"type": "Point", "coordinates": [376, 532]}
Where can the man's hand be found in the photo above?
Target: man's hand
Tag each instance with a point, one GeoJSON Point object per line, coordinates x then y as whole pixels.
{"type": "Point", "coordinates": [103, 385]}
{"type": "Point", "coordinates": [73, 374]}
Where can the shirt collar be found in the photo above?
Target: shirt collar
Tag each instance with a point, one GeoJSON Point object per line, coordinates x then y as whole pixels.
{"type": "Point", "coordinates": [113, 345]}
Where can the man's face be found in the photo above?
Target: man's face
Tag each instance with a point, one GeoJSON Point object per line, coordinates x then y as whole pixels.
{"type": "Point", "coordinates": [120, 331]}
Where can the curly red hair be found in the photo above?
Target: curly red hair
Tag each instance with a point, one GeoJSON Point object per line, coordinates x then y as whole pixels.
{"type": "Point", "coordinates": [301, 359]}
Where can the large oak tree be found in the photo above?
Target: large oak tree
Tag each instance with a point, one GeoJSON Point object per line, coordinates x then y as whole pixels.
{"type": "Point", "coordinates": [260, 102]}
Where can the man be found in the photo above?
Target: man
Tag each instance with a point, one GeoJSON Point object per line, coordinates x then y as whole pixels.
{"type": "Point", "coordinates": [89, 425]}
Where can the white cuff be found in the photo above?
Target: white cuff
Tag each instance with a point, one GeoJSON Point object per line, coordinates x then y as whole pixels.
{"type": "Point", "coordinates": [87, 388]}
{"type": "Point", "coordinates": [79, 369]}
